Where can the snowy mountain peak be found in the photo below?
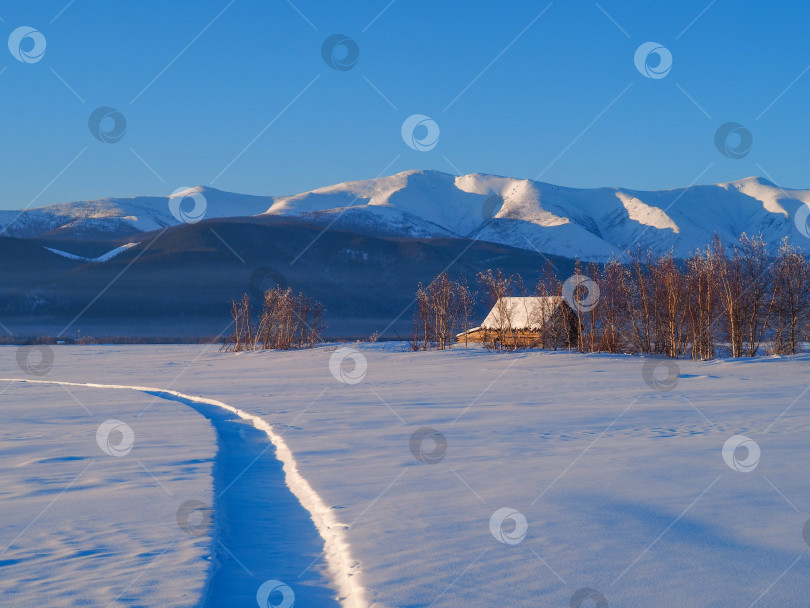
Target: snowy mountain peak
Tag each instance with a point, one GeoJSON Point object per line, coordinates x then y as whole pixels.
{"type": "Point", "coordinates": [592, 224]}
{"type": "Point", "coordinates": [181, 192]}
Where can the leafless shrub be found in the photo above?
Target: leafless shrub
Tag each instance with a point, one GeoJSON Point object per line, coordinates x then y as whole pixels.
{"type": "Point", "coordinates": [288, 320]}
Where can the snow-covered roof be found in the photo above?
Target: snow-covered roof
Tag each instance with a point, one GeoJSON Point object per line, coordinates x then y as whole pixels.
{"type": "Point", "coordinates": [522, 313]}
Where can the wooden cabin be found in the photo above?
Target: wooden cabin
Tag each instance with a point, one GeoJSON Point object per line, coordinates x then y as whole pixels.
{"type": "Point", "coordinates": [526, 322]}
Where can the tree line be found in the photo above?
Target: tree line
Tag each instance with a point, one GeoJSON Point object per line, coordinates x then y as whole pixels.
{"type": "Point", "coordinates": [742, 301]}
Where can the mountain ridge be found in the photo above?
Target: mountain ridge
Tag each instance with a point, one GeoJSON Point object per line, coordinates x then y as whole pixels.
{"type": "Point", "coordinates": [591, 224]}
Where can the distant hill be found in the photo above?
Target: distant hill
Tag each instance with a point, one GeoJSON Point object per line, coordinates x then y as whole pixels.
{"type": "Point", "coordinates": [179, 282]}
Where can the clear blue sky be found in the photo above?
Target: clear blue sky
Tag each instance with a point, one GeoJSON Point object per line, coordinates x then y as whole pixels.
{"type": "Point", "coordinates": [547, 96]}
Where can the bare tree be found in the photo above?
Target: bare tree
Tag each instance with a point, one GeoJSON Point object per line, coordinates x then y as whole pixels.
{"type": "Point", "coordinates": [588, 318]}
{"type": "Point", "coordinates": [759, 295]}
{"type": "Point", "coordinates": [467, 306]}
{"type": "Point", "coordinates": [442, 308]}
{"type": "Point", "coordinates": [552, 330]}
{"type": "Point", "coordinates": [730, 282]}
{"type": "Point", "coordinates": [242, 337]}
{"type": "Point", "coordinates": [612, 309]}
{"type": "Point", "coordinates": [792, 279]}
{"type": "Point", "coordinates": [638, 297]}
{"type": "Point", "coordinates": [701, 304]}
{"type": "Point", "coordinates": [671, 312]}
{"type": "Point", "coordinates": [498, 288]}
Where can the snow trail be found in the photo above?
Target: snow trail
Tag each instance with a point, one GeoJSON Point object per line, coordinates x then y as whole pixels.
{"type": "Point", "coordinates": [343, 569]}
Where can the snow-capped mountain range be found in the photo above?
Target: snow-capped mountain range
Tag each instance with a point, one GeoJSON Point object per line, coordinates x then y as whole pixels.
{"type": "Point", "coordinates": [592, 224]}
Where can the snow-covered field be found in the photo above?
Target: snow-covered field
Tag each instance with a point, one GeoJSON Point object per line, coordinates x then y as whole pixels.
{"type": "Point", "coordinates": [462, 478]}
{"type": "Point", "coordinates": [81, 527]}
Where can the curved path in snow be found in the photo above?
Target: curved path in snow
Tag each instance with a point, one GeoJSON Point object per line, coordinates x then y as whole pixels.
{"type": "Point", "coordinates": [264, 511]}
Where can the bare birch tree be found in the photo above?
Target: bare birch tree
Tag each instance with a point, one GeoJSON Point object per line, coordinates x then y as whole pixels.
{"type": "Point", "coordinates": [443, 307]}
{"type": "Point", "coordinates": [497, 288]}
{"type": "Point", "coordinates": [792, 279]}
